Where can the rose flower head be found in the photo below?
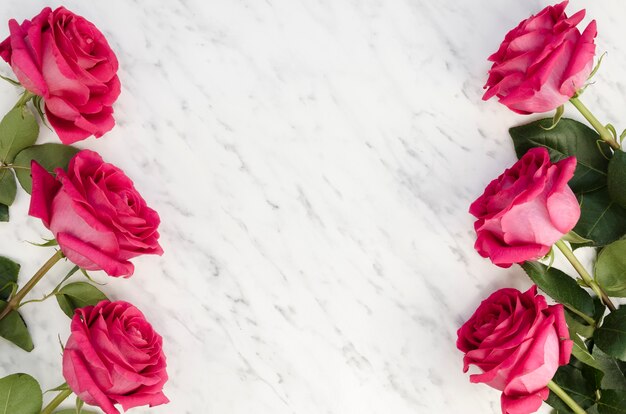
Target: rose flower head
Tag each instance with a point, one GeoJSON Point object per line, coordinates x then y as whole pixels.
{"type": "Point", "coordinates": [542, 62]}
{"type": "Point", "coordinates": [114, 356]}
{"type": "Point", "coordinates": [518, 342]}
{"type": "Point", "coordinates": [524, 211]}
{"type": "Point", "coordinates": [66, 60]}
{"type": "Point", "coordinates": [96, 215]}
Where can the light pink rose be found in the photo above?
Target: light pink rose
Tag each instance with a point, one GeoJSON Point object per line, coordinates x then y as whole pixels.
{"type": "Point", "coordinates": [113, 356]}
{"type": "Point", "coordinates": [523, 212]}
{"type": "Point", "coordinates": [542, 62]}
{"type": "Point", "coordinates": [64, 58]}
{"type": "Point", "coordinates": [97, 216]}
{"type": "Point", "coordinates": [518, 342]}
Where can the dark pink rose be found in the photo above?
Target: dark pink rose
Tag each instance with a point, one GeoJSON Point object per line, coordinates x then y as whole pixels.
{"type": "Point", "coordinates": [518, 342]}
{"type": "Point", "coordinates": [526, 210]}
{"type": "Point", "coordinates": [64, 58]}
{"type": "Point", "coordinates": [113, 356]}
{"type": "Point", "coordinates": [95, 213]}
{"type": "Point", "coordinates": [542, 62]}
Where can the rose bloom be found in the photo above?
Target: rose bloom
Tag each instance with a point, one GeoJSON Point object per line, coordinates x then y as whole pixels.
{"type": "Point", "coordinates": [64, 58]}
{"type": "Point", "coordinates": [95, 213]}
{"type": "Point", "coordinates": [518, 342]}
{"type": "Point", "coordinates": [113, 356]}
{"type": "Point", "coordinates": [542, 62]}
{"type": "Point", "coordinates": [523, 212]}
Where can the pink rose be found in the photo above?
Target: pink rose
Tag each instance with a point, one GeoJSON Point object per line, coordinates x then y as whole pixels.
{"type": "Point", "coordinates": [542, 62]}
{"type": "Point", "coordinates": [66, 60]}
{"type": "Point", "coordinates": [98, 218]}
{"type": "Point", "coordinates": [113, 356]}
{"type": "Point", "coordinates": [526, 210]}
{"type": "Point", "coordinates": [518, 342]}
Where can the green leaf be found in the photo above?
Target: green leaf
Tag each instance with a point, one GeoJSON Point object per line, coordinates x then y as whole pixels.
{"type": "Point", "coordinates": [78, 295]}
{"type": "Point", "coordinates": [612, 370]}
{"type": "Point", "coordinates": [8, 275]}
{"type": "Point", "coordinates": [50, 156]}
{"type": "Point", "coordinates": [4, 212]}
{"type": "Point", "coordinates": [13, 328]}
{"type": "Point", "coordinates": [617, 178]}
{"type": "Point", "coordinates": [73, 411]}
{"type": "Point", "coordinates": [611, 336]}
{"type": "Point", "coordinates": [610, 269]}
{"type": "Point", "coordinates": [577, 326]}
{"type": "Point", "coordinates": [558, 114]}
{"type": "Point", "coordinates": [47, 243]}
{"type": "Point", "coordinates": [574, 238]}
{"type": "Point", "coordinates": [61, 387]}
{"type": "Point", "coordinates": [612, 402]}
{"type": "Point", "coordinates": [18, 129]}
{"type": "Point", "coordinates": [11, 81]}
{"type": "Point", "coordinates": [8, 187]}
{"type": "Point", "coordinates": [601, 219]}
{"type": "Point", "coordinates": [572, 381]}
{"type": "Point", "coordinates": [69, 274]}
{"type": "Point", "coordinates": [582, 354]}
{"type": "Point", "coordinates": [561, 287]}
{"type": "Point", "coordinates": [38, 104]}
{"type": "Point", "coordinates": [595, 69]}
{"type": "Point", "coordinates": [568, 138]}
{"type": "Point", "coordinates": [600, 309]}
{"type": "Point", "coordinates": [20, 394]}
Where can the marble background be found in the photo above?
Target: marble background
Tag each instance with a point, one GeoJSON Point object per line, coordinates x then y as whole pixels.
{"type": "Point", "coordinates": [312, 162]}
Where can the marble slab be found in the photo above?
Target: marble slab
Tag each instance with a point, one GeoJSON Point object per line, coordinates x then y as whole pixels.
{"type": "Point", "coordinates": [312, 163]}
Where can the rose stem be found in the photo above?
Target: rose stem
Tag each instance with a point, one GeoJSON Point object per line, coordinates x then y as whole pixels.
{"type": "Point", "coordinates": [14, 303]}
{"type": "Point", "coordinates": [569, 255]}
{"type": "Point", "coordinates": [26, 96]}
{"type": "Point", "coordinates": [56, 401]}
{"type": "Point", "coordinates": [597, 125]}
{"type": "Point", "coordinates": [563, 396]}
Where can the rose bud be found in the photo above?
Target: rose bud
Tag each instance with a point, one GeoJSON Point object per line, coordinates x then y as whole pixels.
{"type": "Point", "coordinates": [523, 212]}
{"type": "Point", "coordinates": [543, 62]}
{"type": "Point", "coordinates": [113, 356]}
{"type": "Point", "coordinates": [95, 213]}
{"type": "Point", "coordinates": [65, 59]}
{"type": "Point", "coordinates": [518, 342]}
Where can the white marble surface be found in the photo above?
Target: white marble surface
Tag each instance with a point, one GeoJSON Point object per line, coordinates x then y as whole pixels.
{"type": "Point", "coordinates": [312, 162]}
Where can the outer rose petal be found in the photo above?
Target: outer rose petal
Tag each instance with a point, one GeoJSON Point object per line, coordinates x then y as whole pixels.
{"type": "Point", "coordinates": [83, 126]}
{"type": "Point", "coordinates": [539, 364]}
{"type": "Point", "coordinates": [22, 62]}
{"type": "Point", "coordinates": [43, 191]}
{"type": "Point", "coordinates": [90, 258]}
{"type": "Point", "coordinates": [77, 376]}
{"type": "Point", "coordinates": [503, 255]}
{"type": "Point", "coordinates": [581, 65]}
{"type": "Point", "coordinates": [563, 333]}
{"type": "Point", "coordinates": [525, 404]}
{"type": "Point", "coordinates": [138, 400]}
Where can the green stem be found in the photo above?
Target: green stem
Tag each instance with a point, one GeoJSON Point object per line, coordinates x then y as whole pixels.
{"type": "Point", "coordinates": [577, 409]}
{"type": "Point", "coordinates": [569, 255]}
{"type": "Point", "coordinates": [56, 401]}
{"type": "Point", "coordinates": [605, 134]}
{"type": "Point", "coordinates": [26, 96]}
{"type": "Point", "coordinates": [15, 301]}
